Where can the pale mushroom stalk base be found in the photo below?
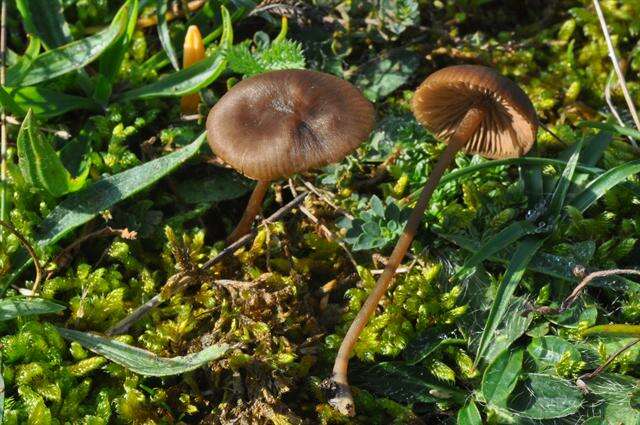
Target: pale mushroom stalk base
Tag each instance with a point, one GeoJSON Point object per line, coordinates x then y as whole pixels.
{"type": "Point", "coordinates": [342, 399]}
{"type": "Point", "coordinates": [253, 209]}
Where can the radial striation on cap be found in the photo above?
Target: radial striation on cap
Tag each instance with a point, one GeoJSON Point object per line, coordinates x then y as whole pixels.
{"type": "Point", "coordinates": [509, 126]}
{"type": "Point", "coordinates": [279, 123]}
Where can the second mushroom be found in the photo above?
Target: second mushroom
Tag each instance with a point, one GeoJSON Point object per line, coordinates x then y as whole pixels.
{"type": "Point", "coordinates": [279, 123]}
{"type": "Point", "coordinates": [473, 109]}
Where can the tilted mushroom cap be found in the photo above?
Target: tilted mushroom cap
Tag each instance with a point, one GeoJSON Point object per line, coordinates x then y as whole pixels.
{"type": "Point", "coordinates": [509, 126]}
{"type": "Point", "coordinates": [279, 123]}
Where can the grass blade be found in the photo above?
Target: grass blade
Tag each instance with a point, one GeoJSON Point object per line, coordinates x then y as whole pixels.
{"type": "Point", "coordinates": [614, 128]}
{"type": "Point", "coordinates": [192, 79]}
{"type": "Point", "coordinates": [601, 184]}
{"type": "Point", "coordinates": [49, 26]}
{"type": "Point", "coordinates": [469, 415]}
{"type": "Point", "coordinates": [111, 60]}
{"type": "Point", "coordinates": [11, 308]}
{"type": "Point", "coordinates": [501, 377]}
{"type": "Point", "coordinates": [562, 188]}
{"type": "Point", "coordinates": [163, 33]}
{"type": "Point", "coordinates": [70, 57]}
{"type": "Point", "coordinates": [613, 330]}
{"type": "Point", "coordinates": [517, 266]}
{"type": "Point", "coordinates": [495, 244]}
{"type": "Point", "coordinates": [141, 361]}
{"type": "Point", "coordinates": [46, 103]}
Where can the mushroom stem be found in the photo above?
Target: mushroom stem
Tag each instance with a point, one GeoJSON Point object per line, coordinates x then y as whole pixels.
{"type": "Point", "coordinates": [343, 400]}
{"type": "Point", "coordinates": [253, 209]}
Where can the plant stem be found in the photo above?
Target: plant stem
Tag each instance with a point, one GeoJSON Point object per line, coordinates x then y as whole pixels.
{"type": "Point", "coordinates": [3, 116]}
{"type": "Point", "coordinates": [343, 400]}
{"type": "Point", "coordinates": [253, 209]}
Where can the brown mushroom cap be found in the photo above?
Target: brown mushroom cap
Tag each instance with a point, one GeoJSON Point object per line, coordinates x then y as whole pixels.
{"type": "Point", "coordinates": [509, 126]}
{"type": "Point", "coordinates": [279, 123]}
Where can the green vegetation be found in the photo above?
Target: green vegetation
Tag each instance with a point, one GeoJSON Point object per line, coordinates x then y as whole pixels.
{"type": "Point", "coordinates": [122, 200]}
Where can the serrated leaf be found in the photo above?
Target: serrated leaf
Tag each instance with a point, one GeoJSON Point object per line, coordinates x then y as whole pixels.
{"type": "Point", "coordinates": [193, 78]}
{"type": "Point", "coordinates": [70, 57]}
{"type": "Point", "coordinates": [501, 377]}
{"type": "Point", "coordinates": [469, 415]}
{"type": "Point", "coordinates": [516, 268]}
{"type": "Point", "coordinates": [39, 163]}
{"type": "Point", "coordinates": [141, 361]}
{"type": "Point", "coordinates": [45, 19]}
{"type": "Point", "coordinates": [543, 396]}
{"type": "Point", "coordinates": [11, 308]}
{"type": "Point", "coordinates": [285, 54]}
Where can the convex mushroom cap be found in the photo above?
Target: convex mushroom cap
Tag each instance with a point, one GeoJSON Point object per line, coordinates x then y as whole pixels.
{"type": "Point", "coordinates": [279, 123]}
{"type": "Point", "coordinates": [508, 128]}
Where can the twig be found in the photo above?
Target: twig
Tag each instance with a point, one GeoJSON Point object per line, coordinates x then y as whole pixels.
{"type": "Point", "coordinates": [30, 250]}
{"type": "Point", "coordinates": [179, 281]}
{"type": "Point", "coordinates": [326, 199]}
{"type": "Point", "coordinates": [616, 66]}
{"type": "Point", "coordinates": [3, 116]}
{"type": "Point", "coordinates": [63, 134]}
{"type": "Point", "coordinates": [149, 21]}
{"type": "Point", "coordinates": [612, 107]}
{"type": "Point", "coordinates": [600, 368]}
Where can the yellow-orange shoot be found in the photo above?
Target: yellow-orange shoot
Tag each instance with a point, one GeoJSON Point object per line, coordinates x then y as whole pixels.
{"type": "Point", "coordinates": [193, 52]}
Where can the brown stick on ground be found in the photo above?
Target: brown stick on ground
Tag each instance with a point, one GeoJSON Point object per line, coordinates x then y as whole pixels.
{"type": "Point", "coordinates": [343, 400]}
{"type": "Point", "coordinates": [251, 211]}
{"type": "Point", "coordinates": [31, 251]}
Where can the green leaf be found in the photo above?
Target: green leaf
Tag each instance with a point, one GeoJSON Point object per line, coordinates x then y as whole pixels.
{"type": "Point", "coordinates": [613, 330]}
{"type": "Point", "coordinates": [603, 183]}
{"type": "Point", "coordinates": [11, 308]}
{"type": "Point", "coordinates": [47, 103]}
{"type": "Point", "coordinates": [216, 188]}
{"type": "Point", "coordinates": [380, 78]}
{"type": "Point", "coordinates": [39, 163]}
{"type": "Point", "coordinates": [86, 204]}
{"type": "Point", "coordinates": [593, 150]}
{"type": "Point", "coordinates": [141, 361]}
{"type": "Point", "coordinates": [532, 177]}
{"type": "Point", "coordinates": [70, 57]}
{"type": "Point", "coordinates": [493, 245]}
{"type": "Point", "coordinates": [45, 19]}
{"type": "Point", "coordinates": [193, 78]}
{"type": "Point", "coordinates": [405, 384]}
{"type": "Point", "coordinates": [163, 33]}
{"type": "Point", "coordinates": [432, 339]}
{"type": "Point", "coordinates": [111, 59]}
{"type": "Point", "coordinates": [543, 396]}
{"type": "Point", "coordinates": [547, 351]}
{"type": "Point", "coordinates": [614, 128]}
{"type": "Point", "coordinates": [517, 266]}
{"type": "Point", "coordinates": [30, 54]}
{"type": "Point", "coordinates": [513, 327]}
{"type": "Point", "coordinates": [469, 415]}
{"type": "Point", "coordinates": [562, 188]}
{"type": "Point", "coordinates": [501, 377]}
{"type": "Point", "coordinates": [82, 206]}
{"type": "Point", "coordinates": [8, 103]}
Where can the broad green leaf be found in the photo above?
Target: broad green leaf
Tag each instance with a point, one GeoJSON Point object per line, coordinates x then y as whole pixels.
{"type": "Point", "coordinates": [30, 54]}
{"type": "Point", "coordinates": [501, 377]}
{"type": "Point", "coordinates": [82, 206]}
{"type": "Point", "coordinates": [493, 245]}
{"type": "Point", "coordinates": [216, 188]}
{"type": "Point", "coordinates": [423, 345]}
{"type": "Point", "coordinates": [193, 78]}
{"type": "Point", "coordinates": [111, 60]}
{"type": "Point", "coordinates": [381, 77]}
{"type": "Point", "coordinates": [39, 163]}
{"type": "Point", "coordinates": [70, 57]}
{"type": "Point", "coordinates": [619, 396]}
{"type": "Point", "coordinates": [11, 308]}
{"type": "Point", "coordinates": [547, 351]}
{"type": "Point", "coordinates": [9, 104]}
{"type": "Point", "coordinates": [543, 396]}
{"type": "Point", "coordinates": [603, 183]}
{"type": "Point", "coordinates": [513, 327]}
{"type": "Point", "coordinates": [613, 330]}
{"type": "Point", "coordinates": [47, 103]}
{"type": "Point", "coordinates": [469, 415]}
{"type": "Point", "coordinates": [163, 33]}
{"type": "Point", "coordinates": [562, 188]}
{"type": "Point", "coordinates": [141, 361]}
{"type": "Point", "coordinates": [516, 268]}
{"type": "Point", "coordinates": [86, 204]}
{"type": "Point", "coordinates": [404, 384]}
{"type": "Point", "coordinates": [45, 19]}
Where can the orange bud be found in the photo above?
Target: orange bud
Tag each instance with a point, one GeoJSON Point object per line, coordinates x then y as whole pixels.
{"type": "Point", "coordinates": [193, 52]}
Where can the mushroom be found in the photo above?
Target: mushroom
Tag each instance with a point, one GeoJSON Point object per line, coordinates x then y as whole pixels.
{"type": "Point", "coordinates": [279, 123]}
{"type": "Point", "coordinates": [193, 52]}
{"type": "Point", "coordinates": [473, 109]}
